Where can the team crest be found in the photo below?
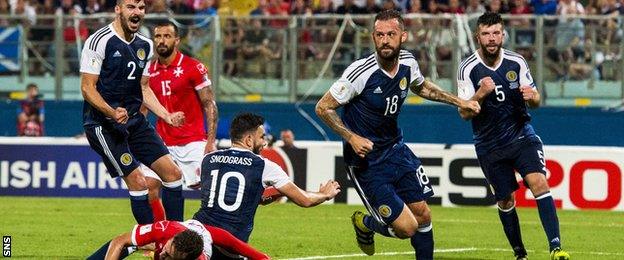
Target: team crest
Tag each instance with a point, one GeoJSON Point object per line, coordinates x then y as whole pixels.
{"type": "Point", "coordinates": [511, 76]}
{"type": "Point", "coordinates": [385, 211]}
{"type": "Point", "coordinates": [126, 159]}
{"type": "Point", "coordinates": [201, 68]}
{"type": "Point", "coordinates": [403, 83]}
{"type": "Point", "coordinates": [141, 54]}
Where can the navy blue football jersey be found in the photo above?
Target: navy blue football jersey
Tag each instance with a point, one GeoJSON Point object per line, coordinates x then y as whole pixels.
{"type": "Point", "coordinates": [232, 182]}
{"type": "Point", "coordinates": [120, 66]}
{"type": "Point", "coordinates": [504, 117]}
{"type": "Point", "coordinates": [372, 101]}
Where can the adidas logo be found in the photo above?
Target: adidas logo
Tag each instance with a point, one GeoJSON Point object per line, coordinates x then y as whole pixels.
{"type": "Point", "coordinates": [377, 90]}
{"type": "Point", "coordinates": [427, 189]}
{"type": "Point", "coordinates": [555, 240]}
{"type": "Point", "coordinates": [117, 54]}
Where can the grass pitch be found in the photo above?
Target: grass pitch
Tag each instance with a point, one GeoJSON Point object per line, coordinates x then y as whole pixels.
{"type": "Point", "coordinates": [59, 228]}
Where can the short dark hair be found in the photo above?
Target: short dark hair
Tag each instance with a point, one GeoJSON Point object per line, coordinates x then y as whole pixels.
{"type": "Point", "coordinates": [31, 85]}
{"type": "Point", "coordinates": [166, 23]}
{"type": "Point", "coordinates": [188, 243]}
{"type": "Point", "coordinates": [489, 19]}
{"type": "Point", "coordinates": [389, 15]}
{"type": "Point", "coordinates": [244, 123]}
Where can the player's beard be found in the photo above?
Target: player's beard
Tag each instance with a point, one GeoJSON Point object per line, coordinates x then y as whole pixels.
{"type": "Point", "coordinates": [491, 55]}
{"type": "Point", "coordinates": [125, 23]}
{"type": "Point", "coordinates": [258, 148]}
{"type": "Point", "coordinates": [164, 50]}
{"type": "Point", "coordinates": [382, 52]}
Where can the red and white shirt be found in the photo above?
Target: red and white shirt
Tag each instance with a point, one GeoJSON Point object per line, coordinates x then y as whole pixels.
{"type": "Point", "coordinates": [175, 86]}
{"type": "Point", "coordinates": [161, 231]}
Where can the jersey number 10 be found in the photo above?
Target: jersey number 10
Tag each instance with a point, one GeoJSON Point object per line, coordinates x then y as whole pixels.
{"type": "Point", "coordinates": [222, 187]}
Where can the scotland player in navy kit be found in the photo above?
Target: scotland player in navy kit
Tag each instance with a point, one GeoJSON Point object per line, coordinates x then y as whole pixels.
{"type": "Point", "coordinates": [501, 82]}
{"type": "Point", "coordinates": [232, 181]}
{"type": "Point", "coordinates": [114, 84]}
{"type": "Point", "coordinates": [387, 175]}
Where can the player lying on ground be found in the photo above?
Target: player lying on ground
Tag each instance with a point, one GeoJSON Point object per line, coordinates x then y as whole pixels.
{"type": "Point", "coordinates": [176, 240]}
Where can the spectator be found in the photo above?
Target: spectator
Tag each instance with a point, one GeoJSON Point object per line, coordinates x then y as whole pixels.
{"type": "Point", "coordinates": [325, 7]}
{"type": "Point", "coordinates": [180, 7]}
{"type": "Point", "coordinates": [262, 8]}
{"type": "Point", "coordinates": [475, 7]}
{"type": "Point", "coordinates": [496, 6]}
{"type": "Point", "coordinates": [22, 7]}
{"type": "Point", "coordinates": [288, 137]}
{"type": "Point", "coordinates": [455, 7]}
{"type": "Point", "coordinates": [372, 7]}
{"type": "Point", "coordinates": [390, 5]}
{"type": "Point", "coordinates": [278, 8]}
{"type": "Point", "coordinates": [92, 7]}
{"type": "Point", "coordinates": [542, 7]}
{"type": "Point", "coordinates": [30, 117]}
{"type": "Point", "coordinates": [5, 9]}
{"type": "Point", "coordinates": [348, 7]}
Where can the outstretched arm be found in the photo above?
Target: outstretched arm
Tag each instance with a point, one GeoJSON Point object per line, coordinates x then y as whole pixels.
{"type": "Point", "coordinates": [307, 199]}
{"type": "Point", "coordinates": [118, 244]}
{"type": "Point", "coordinates": [431, 91]}
{"type": "Point", "coordinates": [227, 241]}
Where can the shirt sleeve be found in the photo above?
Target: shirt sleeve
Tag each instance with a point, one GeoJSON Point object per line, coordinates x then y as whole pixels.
{"type": "Point", "coordinates": [200, 77]}
{"type": "Point", "coordinates": [145, 234]}
{"type": "Point", "coordinates": [465, 87]}
{"type": "Point", "coordinates": [416, 75]}
{"type": "Point", "coordinates": [347, 87]}
{"type": "Point", "coordinates": [91, 60]}
{"type": "Point", "coordinates": [149, 58]}
{"type": "Point", "coordinates": [273, 175]}
{"type": "Point", "coordinates": [525, 75]}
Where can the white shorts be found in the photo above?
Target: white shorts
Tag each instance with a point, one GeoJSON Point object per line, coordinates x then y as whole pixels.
{"type": "Point", "coordinates": [188, 157]}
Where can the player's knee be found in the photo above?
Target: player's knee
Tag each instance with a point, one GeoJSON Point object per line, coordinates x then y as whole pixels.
{"type": "Point", "coordinates": [506, 203]}
{"type": "Point", "coordinates": [424, 216]}
{"type": "Point", "coordinates": [537, 183]}
{"type": "Point", "coordinates": [406, 230]}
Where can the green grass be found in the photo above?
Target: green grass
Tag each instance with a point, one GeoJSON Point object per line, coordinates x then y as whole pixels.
{"type": "Point", "coordinates": [55, 228]}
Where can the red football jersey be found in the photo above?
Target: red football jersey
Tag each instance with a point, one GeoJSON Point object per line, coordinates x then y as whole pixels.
{"type": "Point", "coordinates": [160, 232]}
{"type": "Point", "coordinates": [175, 87]}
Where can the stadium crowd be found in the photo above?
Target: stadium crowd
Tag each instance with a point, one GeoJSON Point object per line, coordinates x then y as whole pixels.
{"type": "Point", "coordinates": [256, 47]}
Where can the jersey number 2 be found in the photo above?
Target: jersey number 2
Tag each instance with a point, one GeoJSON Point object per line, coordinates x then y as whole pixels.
{"type": "Point", "coordinates": [133, 65]}
{"type": "Point", "coordinates": [223, 185]}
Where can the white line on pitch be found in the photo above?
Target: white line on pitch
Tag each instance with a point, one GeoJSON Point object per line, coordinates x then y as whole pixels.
{"type": "Point", "coordinates": [450, 250]}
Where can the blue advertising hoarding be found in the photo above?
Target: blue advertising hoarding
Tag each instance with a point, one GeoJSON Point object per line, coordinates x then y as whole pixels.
{"type": "Point", "coordinates": [57, 169]}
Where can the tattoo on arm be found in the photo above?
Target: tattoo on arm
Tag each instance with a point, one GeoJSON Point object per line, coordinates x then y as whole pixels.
{"type": "Point", "coordinates": [431, 91]}
{"type": "Point", "coordinates": [326, 110]}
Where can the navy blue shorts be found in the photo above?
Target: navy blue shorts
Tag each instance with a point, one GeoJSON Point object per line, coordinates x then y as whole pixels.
{"type": "Point", "coordinates": [385, 187]}
{"type": "Point", "coordinates": [499, 166]}
{"type": "Point", "coordinates": [123, 147]}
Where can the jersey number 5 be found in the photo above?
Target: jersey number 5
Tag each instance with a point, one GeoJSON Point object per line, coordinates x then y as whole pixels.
{"type": "Point", "coordinates": [500, 95]}
{"type": "Point", "coordinates": [223, 186]}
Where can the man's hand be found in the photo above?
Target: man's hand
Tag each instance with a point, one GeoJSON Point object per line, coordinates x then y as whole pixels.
{"type": "Point", "coordinates": [528, 92]}
{"type": "Point", "coordinates": [175, 119]}
{"type": "Point", "coordinates": [361, 145]}
{"type": "Point", "coordinates": [486, 86]}
{"type": "Point", "coordinates": [471, 107]}
{"type": "Point", "coordinates": [331, 188]}
{"type": "Point", "coordinates": [120, 115]}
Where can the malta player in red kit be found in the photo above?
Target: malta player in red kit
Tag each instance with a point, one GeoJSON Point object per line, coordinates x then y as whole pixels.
{"type": "Point", "coordinates": [181, 83]}
{"type": "Point", "coordinates": [177, 240]}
